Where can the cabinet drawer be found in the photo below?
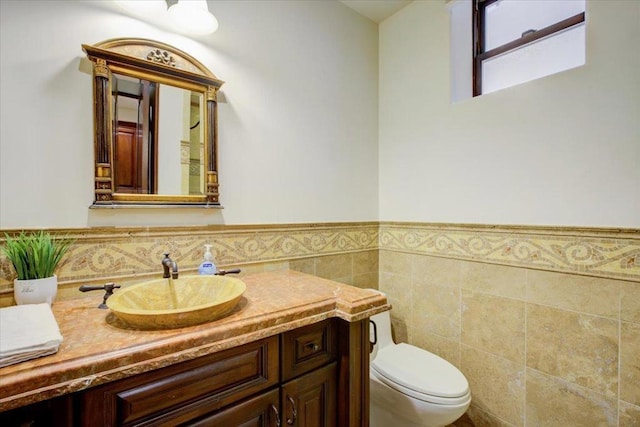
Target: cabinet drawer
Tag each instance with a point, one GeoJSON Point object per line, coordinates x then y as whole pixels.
{"type": "Point", "coordinates": [260, 411]}
{"type": "Point", "coordinates": [308, 348]}
{"type": "Point", "coordinates": [178, 393]}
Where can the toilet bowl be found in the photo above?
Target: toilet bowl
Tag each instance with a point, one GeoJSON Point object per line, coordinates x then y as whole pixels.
{"type": "Point", "coordinates": [411, 387]}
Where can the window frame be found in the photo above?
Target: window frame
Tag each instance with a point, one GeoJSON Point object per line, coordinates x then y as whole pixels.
{"type": "Point", "coordinates": [479, 54]}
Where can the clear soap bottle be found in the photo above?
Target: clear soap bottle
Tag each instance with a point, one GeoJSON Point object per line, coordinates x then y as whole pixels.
{"type": "Point", "coordinates": [207, 266]}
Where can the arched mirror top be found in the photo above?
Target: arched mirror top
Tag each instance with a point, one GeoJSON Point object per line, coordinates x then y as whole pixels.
{"type": "Point", "coordinates": [151, 55]}
{"type": "Point", "coordinates": [155, 113]}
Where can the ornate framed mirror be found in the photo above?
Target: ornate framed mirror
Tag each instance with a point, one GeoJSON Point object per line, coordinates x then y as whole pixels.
{"type": "Point", "coordinates": [155, 126]}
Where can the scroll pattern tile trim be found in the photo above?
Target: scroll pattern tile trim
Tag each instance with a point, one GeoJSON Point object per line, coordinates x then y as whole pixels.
{"type": "Point", "coordinates": [571, 252]}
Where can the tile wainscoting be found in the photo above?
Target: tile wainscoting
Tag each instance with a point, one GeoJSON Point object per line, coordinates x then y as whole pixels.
{"type": "Point", "coordinates": [347, 252]}
{"type": "Point", "coordinates": [543, 321]}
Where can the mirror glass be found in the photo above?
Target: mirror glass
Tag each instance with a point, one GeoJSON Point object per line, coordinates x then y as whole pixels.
{"type": "Point", "coordinates": [158, 138]}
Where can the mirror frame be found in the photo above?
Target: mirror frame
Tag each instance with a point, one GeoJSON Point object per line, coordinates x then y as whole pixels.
{"type": "Point", "coordinates": [162, 63]}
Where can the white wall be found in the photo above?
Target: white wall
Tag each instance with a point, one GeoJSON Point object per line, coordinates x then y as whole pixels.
{"type": "Point", "coordinates": [298, 129]}
{"type": "Point", "coordinates": [562, 150]}
{"type": "Point", "coordinates": [170, 135]}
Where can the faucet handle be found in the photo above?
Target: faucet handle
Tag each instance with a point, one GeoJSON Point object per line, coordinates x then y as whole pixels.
{"type": "Point", "coordinates": [109, 287]}
{"type": "Point", "coordinates": [225, 272]}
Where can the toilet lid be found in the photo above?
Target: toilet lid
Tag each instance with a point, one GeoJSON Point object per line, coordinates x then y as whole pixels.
{"type": "Point", "coordinates": [419, 371]}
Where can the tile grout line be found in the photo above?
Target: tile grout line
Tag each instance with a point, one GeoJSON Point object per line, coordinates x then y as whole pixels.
{"type": "Point", "coordinates": [526, 324]}
{"type": "Point", "coordinates": [460, 315]}
{"type": "Point", "coordinates": [458, 288]}
{"type": "Point", "coordinates": [619, 353]}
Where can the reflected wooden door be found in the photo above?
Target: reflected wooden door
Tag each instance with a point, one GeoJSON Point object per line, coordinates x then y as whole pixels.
{"type": "Point", "coordinates": [129, 160]}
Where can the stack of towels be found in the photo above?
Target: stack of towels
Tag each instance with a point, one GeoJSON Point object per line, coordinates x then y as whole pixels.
{"type": "Point", "coordinates": [26, 332]}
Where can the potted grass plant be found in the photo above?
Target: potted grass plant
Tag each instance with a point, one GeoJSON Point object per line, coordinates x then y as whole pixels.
{"type": "Point", "coordinates": [35, 256]}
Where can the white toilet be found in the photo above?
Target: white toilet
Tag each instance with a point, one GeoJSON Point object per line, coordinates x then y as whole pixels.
{"type": "Point", "coordinates": [411, 387]}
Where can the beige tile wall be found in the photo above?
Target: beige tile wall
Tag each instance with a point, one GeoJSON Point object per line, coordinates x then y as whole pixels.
{"type": "Point", "coordinates": [539, 348]}
{"type": "Point", "coordinates": [357, 269]}
{"type": "Point", "coordinates": [544, 322]}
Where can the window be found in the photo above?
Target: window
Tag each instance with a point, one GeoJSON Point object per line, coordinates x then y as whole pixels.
{"type": "Point", "coordinates": [515, 41]}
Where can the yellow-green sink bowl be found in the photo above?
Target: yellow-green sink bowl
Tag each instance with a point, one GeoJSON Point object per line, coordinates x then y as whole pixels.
{"type": "Point", "coordinates": [169, 303]}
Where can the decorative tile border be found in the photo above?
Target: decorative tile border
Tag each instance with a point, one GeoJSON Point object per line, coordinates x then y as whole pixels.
{"type": "Point", "coordinates": [611, 253]}
{"type": "Point", "coordinates": [104, 254]}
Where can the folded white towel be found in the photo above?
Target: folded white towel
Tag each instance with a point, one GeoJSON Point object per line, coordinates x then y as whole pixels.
{"type": "Point", "coordinates": [26, 332]}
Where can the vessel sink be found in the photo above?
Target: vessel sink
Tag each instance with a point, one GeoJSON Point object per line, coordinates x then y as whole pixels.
{"type": "Point", "coordinates": [175, 303]}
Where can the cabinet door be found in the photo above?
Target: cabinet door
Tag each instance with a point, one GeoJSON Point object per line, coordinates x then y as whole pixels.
{"type": "Point", "coordinates": [260, 411]}
{"type": "Point", "coordinates": [56, 412]}
{"type": "Point", "coordinates": [179, 393]}
{"type": "Point", "coordinates": [310, 400]}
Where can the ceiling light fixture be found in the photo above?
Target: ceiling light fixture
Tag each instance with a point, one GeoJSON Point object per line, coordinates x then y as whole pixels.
{"type": "Point", "coordinates": [192, 17]}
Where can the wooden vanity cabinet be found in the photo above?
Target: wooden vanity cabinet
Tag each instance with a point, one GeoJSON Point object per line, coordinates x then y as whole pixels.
{"type": "Point", "coordinates": [309, 375]}
{"type": "Point", "coordinates": [306, 401]}
{"type": "Point", "coordinates": [307, 394]}
{"type": "Point", "coordinates": [316, 375]}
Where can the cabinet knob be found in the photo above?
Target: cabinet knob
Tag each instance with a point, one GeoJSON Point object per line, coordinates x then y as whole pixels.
{"type": "Point", "coordinates": [312, 346]}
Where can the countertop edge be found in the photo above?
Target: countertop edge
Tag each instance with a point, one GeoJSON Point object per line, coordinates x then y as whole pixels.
{"type": "Point", "coordinates": [70, 375]}
{"type": "Point", "coordinates": [87, 381]}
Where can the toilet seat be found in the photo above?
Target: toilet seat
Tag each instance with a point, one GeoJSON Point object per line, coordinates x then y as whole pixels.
{"type": "Point", "coordinates": [420, 374]}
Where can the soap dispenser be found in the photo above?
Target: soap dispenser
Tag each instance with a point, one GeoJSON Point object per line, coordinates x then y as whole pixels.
{"type": "Point", "coordinates": [207, 266]}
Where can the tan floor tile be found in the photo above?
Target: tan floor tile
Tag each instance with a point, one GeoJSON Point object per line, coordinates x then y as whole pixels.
{"type": "Point", "coordinates": [494, 324]}
{"type": "Point", "coordinates": [579, 348]}
{"type": "Point", "coordinates": [553, 402]}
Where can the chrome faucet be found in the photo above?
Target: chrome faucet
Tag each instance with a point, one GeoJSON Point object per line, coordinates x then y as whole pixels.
{"type": "Point", "coordinates": [170, 267]}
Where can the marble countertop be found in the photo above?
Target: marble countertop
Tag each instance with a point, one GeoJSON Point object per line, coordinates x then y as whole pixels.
{"type": "Point", "coordinates": [99, 348]}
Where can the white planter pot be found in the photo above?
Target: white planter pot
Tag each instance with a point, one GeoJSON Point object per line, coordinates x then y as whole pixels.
{"type": "Point", "coordinates": [35, 291]}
